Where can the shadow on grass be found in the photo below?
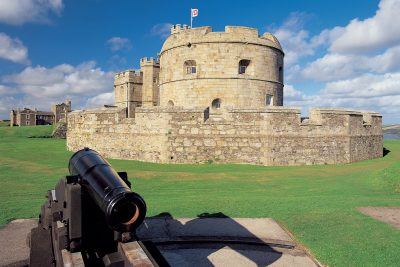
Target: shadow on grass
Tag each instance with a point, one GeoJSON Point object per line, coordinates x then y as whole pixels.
{"type": "Point", "coordinates": [385, 151]}
{"type": "Point", "coordinates": [197, 241]}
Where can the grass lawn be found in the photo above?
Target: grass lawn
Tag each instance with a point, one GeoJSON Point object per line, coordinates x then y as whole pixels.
{"type": "Point", "coordinates": [316, 203]}
{"type": "Point", "coordinates": [4, 123]}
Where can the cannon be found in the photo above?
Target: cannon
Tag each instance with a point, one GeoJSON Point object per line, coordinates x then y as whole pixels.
{"type": "Point", "coordinates": [90, 219]}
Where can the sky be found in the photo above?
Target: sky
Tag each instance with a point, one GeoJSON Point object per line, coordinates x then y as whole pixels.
{"type": "Point", "coordinates": [337, 53]}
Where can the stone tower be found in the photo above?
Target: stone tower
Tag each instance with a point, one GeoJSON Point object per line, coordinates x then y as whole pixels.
{"type": "Point", "coordinates": [128, 90]}
{"type": "Point", "coordinates": [61, 110]}
{"type": "Point", "coordinates": [150, 91]}
{"type": "Point", "coordinates": [235, 68]}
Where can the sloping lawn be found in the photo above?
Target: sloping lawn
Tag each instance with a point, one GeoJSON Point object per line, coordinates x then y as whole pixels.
{"type": "Point", "coordinates": [318, 204]}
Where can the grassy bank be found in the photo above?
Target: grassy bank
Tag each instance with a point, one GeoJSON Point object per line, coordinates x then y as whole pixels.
{"type": "Point", "coordinates": [316, 203]}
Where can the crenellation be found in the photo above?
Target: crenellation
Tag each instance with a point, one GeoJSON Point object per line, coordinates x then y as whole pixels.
{"type": "Point", "coordinates": [247, 31]}
{"type": "Point", "coordinates": [175, 28]}
{"type": "Point", "coordinates": [145, 61]}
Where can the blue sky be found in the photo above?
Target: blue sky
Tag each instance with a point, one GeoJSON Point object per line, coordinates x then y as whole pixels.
{"type": "Point", "coordinates": [337, 53]}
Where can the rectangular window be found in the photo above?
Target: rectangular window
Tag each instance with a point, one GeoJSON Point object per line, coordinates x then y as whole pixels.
{"type": "Point", "coordinates": [27, 116]}
{"type": "Point", "coordinates": [243, 64]}
{"type": "Point", "coordinates": [268, 100]}
{"type": "Point", "coordinates": [191, 69]}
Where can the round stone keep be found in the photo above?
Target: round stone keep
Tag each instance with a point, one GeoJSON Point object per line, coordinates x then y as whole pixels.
{"type": "Point", "coordinates": [236, 68]}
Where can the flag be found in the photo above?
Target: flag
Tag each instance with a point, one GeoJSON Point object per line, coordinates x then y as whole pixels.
{"type": "Point", "coordinates": [195, 12]}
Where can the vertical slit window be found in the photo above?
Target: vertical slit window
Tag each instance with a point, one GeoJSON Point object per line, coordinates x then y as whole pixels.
{"type": "Point", "coordinates": [269, 100]}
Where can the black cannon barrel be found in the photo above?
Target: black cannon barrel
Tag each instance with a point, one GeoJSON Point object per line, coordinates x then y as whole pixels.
{"type": "Point", "coordinates": [124, 210]}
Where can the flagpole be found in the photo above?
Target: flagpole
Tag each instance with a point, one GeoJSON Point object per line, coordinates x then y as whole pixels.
{"type": "Point", "coordinates": [191, 18]}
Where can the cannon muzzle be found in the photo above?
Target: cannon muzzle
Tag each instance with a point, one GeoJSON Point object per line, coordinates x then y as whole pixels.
{"type": "Point", "coordinates": [124, 210]}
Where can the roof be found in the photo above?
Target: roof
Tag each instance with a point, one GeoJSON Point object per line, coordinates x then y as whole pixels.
{"type": "Point", "coordinates": [47, 113]}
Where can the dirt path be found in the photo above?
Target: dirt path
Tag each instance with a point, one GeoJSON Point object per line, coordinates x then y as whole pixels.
{"type": "Point", "coordinates": [13, 248]}
{"type": "Point", "coordinates": [390, 215]}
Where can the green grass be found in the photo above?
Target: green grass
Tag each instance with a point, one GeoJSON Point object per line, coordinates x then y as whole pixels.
{"type": "Point", "coordinates": [318, 204]}
{"type": "Point", "coordinates": [4, 123]}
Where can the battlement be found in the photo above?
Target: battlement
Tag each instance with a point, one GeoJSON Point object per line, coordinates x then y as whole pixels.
{"type": "Point", "coordinates": [178, 28]}
{"type": "Point", "coordinates": [181, 35]}
{"type": "Point", "coordinates": [269, 136]}
{"type": "Point", "coordinates": [145, 61]}
{"type": "Point", "coordinates": [251, 32]}
{"type": "Point", "coordinates": [272, 38]}
{"type": "Point", "coordinates": [123, 77]}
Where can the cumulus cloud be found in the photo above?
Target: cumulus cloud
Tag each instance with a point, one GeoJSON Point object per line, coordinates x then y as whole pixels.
{"type": "Point", "coordinates": [163, 30]}
{"type": "Point", "coordinates": [297, 42]}
{"type": "Point", "coordinates": [13, 49]}
{"type": "Point", "coordinates": [17, 12]}
{"type": "Point", "coordinates": [376, 32]}
{"type": "Point", "coordinates": [101, 99]}
{"type": "Point", "coordinates": [6, 105]}
{"type": "Point", "coordinates": [372, 92]}
{"type": "Point", "coordinates": [118, 43]}
{"type": "Point", "coordinates": [334, 66]}
{"type": "Point", "coordinates": [40, 86]}
{"type": "Point", "coordinates": [365, 86]}
{"type": "Point", "coordinates": [359, 63]}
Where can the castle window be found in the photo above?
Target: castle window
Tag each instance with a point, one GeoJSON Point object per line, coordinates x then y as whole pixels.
{"type": "Point", "coordinates": [269, 100]}
{"type": "Point", "coordinates": [27, 116]}
{"type": "Point", "coordinates": [243, 64]}
{"type": "Point", "coordinates": [190, 66]}
{"type": "Point", "coordinates": [171, 103]}
{"type": "Point", "coordinates": [27, 122]}
{"type": "Point", "coordinates": [281, 74]}
{"type": "Point", "coordinates": [216, 103]}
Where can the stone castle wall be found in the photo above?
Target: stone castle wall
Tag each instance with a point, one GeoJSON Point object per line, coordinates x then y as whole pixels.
{"type": "Point", "coordinates": [269, 136]}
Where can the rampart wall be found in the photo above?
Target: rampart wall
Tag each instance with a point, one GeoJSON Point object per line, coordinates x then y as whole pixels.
{"type": "Point", "coordinates": [270, 136]}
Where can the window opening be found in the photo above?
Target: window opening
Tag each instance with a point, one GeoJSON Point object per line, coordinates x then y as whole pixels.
{"type": "Point", "coordinates": [190, 66]}
{"type": "Point", "coordinates": [243, 64]}
{"type": "Point", "coordinates": [268, 100]}
{"type": "Point", "coordinates": [216, 103]}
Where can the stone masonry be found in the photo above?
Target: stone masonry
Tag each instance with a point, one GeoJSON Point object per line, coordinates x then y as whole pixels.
{"type": "Point", "coordinates": [217, 96]}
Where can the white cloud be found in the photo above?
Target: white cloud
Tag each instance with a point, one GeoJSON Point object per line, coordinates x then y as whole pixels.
{"type": "Point", "coordinates": [13, 49]}
{"type": "Point", "coordinates": [365, 86]}
{"type": "Point", "coordinates": [118, 43]}
{"type": "Point", "coordinates": [6, 105]}
{"type": "Point", "coordinates": [372, 92]}
{"type": "Point", "coordinates": [163, 30]}
{"type": "Point", "coordinates": [331, 67]}
{"type": "Point", "coordinates": [377, 32]}
{"type": "Point", "coordinates": [63, 79]}
{"type": "Point", "coordinates": [296, 42]}
{"type": "Point", "coordinates": [292, 95]}
{"type": "Point", "coordinates": [40, 86]}
{"type": "Point", "coordinates": [101, 99]}
{"type": "Point", "coordinates": [4, 90]}
{"type": "Point", "coordinates": [334, 66]}
{"type": "Point", "coordinates": [18, 12]}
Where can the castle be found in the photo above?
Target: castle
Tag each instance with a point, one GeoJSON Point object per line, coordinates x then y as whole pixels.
{"type": "Point", "coordinates": [218, 96]}
{"type": "Point", "coordinates": [33, 117]}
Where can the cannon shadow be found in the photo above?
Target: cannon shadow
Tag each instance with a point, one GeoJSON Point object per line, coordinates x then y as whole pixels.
{"type": "Point", "coordinates": [208, 240]}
